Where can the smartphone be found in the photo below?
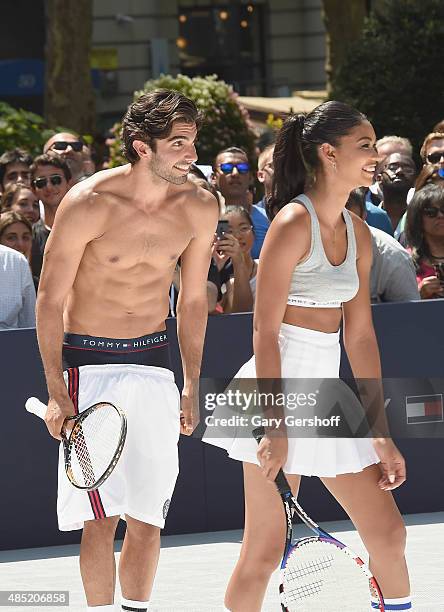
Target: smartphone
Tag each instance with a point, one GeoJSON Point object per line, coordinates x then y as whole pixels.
{"type": "Point", "coordinates": [222, 228]}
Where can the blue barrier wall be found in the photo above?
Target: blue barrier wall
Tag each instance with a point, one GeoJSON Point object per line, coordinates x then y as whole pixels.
{"type": "Point", "coordinates": [208, 494]}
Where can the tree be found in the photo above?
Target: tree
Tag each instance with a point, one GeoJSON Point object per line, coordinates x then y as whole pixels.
{"type": "Point", "coordinates": [393, 73]}
{"type": "Point", "coordinates": [69, 96]}
{"type": "Point", "coordinates": [343, 23]}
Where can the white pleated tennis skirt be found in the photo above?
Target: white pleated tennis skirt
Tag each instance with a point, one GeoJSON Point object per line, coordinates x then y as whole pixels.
{"type": "Point", "coordinates": [305, 353]}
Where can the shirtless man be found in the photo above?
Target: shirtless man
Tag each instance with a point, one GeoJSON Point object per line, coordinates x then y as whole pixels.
{"type": "Point", "coordinates": [102, 304]}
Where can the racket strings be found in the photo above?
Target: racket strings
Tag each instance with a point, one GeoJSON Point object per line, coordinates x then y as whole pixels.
{"type": "Point", "coordinates": [83, 458]}
{"type": "Point", "coordinates": [318, 575]}
{"type": "Point", "coordinates": [94, 443]}
{"type": "Point", "coordinates": [313, 567]}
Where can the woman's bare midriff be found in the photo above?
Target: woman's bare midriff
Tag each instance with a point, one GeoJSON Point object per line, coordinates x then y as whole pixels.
{"type": "Point", "coordinates": [327, 320]}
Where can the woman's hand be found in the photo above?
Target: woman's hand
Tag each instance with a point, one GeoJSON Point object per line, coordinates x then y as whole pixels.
{"type": "Point", "coordinates": [392, 466]}
{"type": "Point", "coordinates": [228, 247]}
{"type": "Point", "coordinates": [430, 287]}
{"type": "Point", "coordinates": [272, 453]}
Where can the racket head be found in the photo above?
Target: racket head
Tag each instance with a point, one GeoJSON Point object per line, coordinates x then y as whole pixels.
{"type": "Point", "coordinates": [93, 443]}
{"type": "Point", "coordinates": [321, 573]}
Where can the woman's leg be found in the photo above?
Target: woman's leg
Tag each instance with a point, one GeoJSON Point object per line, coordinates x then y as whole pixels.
{"type": "Point", "coordinates": [263, 542]}
{"type": "Point", "coordinates": [379, 523]}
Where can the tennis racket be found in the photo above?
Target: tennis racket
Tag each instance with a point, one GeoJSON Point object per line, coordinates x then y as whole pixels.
{"type": "Point", "coordinates": [92, 442]}
{"type": "Point", "coordinates": [320, 573]}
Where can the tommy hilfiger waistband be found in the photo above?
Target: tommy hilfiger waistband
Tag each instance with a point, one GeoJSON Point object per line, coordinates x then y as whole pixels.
{"type": "Point", "coordinates": [116, 345]}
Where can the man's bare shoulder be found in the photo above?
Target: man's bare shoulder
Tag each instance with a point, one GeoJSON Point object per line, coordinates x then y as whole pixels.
{"type": "Point", "coordinates": [97, 196]}
{"type": "Point", "coordinates": [200, 201]}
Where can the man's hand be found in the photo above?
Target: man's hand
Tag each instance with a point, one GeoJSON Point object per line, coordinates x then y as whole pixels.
{"type": "Point", "coordinates": [189, 412]}
{"type": "Point", "coordinates": [392, 466]}
{"type": "Point", "coordinates": [56, 414]}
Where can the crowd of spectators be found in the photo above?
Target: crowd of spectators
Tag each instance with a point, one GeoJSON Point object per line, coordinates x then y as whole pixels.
{"type": "Point", "coordinates": [404, 209]}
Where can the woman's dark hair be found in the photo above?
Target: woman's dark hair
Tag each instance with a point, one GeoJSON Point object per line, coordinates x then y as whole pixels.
{"type": "Point", "coordinates": [151, 118]}
{"type": "Point", "coordinates": [296, 158]}
{"type": "Point", "coordinates": [240, 210]}
{"type": "Point", "coordinates": [357, 198]}
{"type": "Point", "coordinates": [10, 217]}
{"type": "Point", "coordinates": [430, 195]}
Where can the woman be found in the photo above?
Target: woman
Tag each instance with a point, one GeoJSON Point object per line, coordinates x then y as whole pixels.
{"type": "Point", "coordinates": [16, 233]}
{"type": "Point", "coordinates": [236, 245]}
{"type": "Point", "coordinates": [21, 199]}
{"type": "Point", "coordinates": [424, 232]}
{"type": "Point", "coordinates": [314, 271]}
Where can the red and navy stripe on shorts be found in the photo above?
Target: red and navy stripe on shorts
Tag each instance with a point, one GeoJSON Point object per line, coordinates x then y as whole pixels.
{"type": "Point", "coordinates": [73, 390]}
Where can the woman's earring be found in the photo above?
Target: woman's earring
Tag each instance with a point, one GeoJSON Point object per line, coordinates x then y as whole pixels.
{"type": "Point", "coordinates": [334, 166]}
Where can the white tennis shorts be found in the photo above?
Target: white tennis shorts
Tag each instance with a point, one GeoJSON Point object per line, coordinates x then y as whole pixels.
{"type": "Point", "coordinates": [143, 481]}
{"type": "Point", "coordinates": [305, 353]}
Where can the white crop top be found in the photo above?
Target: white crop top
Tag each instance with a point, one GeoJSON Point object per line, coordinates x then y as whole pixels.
{"type": "Point", "coordinates": [315, 282]}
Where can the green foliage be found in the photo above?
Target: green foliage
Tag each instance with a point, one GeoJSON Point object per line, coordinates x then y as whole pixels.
{"type": "Point", "coordinates": [20, 128]}
{"type": "Point", "coordinates": [393, 74]}
{"type": "Point", "coordinates": [26, 130]}
{"type": "Point", "coordinates": [226, 122]}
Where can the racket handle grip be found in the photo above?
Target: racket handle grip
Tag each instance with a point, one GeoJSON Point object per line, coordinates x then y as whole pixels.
{"type": "Point", "coordinates": [280, 480]}
{"type": "Point", "coordinates": [35, 406]}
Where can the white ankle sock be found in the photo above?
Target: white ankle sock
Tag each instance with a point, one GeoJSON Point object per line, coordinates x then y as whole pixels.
{"type": "Point", "coordinates": [107, 608]}
{"type": "Point", "coordinates": [130, 605]}
{"type": "Point", "coordinates": [399, 604]}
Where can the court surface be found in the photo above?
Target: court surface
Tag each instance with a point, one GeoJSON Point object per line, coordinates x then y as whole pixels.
{"type": "Point", "coordinates": [194, 568]}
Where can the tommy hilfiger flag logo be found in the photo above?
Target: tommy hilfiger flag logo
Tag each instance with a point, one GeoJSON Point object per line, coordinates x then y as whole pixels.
{"type": "Point", "coordinates": [424, 409]}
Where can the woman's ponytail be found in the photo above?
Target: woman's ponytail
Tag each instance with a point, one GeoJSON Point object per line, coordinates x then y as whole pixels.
{"type": "Point", "coordinates": [289, 167]}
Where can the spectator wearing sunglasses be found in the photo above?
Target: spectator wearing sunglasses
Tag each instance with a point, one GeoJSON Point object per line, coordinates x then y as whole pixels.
{"type": "Point", "coordinates": [432, 150]}
{"type": "Point", "coordinates": [50, 181]}
{"type": "Point", "coordinates": [424, 231]}
{"type": "Point", "coordinates": [21, 199]}
{"type": "Point", "coordinates": [14, 168]}
{"type": "Point", "coordinates": [70, 148]}
{"type": "Point", "coordinates": [233, 177]}
{"type": "Point", "coordinates": [396, 176]}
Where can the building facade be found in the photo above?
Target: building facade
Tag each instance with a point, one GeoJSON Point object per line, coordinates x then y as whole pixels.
{"type": "Point", "coordinates": [264, 48]}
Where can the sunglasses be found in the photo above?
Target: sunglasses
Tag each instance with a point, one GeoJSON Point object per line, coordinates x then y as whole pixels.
{"type": "Point", "coordinates": [62, 145]}
{"type": "Point", "coordinates": [432, 211]}
{"type": "Point", "coordinates": [41, 182]}
{"type": "Point", "coordinates": [434, 158]}
{"type": "Point", "coordinates": [228, 168]}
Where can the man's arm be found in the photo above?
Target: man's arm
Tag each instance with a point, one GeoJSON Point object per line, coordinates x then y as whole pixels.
{"type": "Point", "coordinates": [75, 225]}
{"type": "Point", "coordinates": [192, 306]}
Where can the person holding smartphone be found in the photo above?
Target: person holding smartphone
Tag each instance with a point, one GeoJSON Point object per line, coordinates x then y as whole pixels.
{"type": "Point", "coordinates": [424, 233]}
{"type": "Point", "coordinates": [232, 254]}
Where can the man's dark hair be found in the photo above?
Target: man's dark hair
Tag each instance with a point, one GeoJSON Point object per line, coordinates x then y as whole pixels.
{"type": "Point", "coordinates": [14, 156]}
{"type": "Point", "coordinates": [151, 118]}
{"type": "Point", "coordinates": [234, 150]}
{"type": "Point", "coordinates": [51, 160]}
